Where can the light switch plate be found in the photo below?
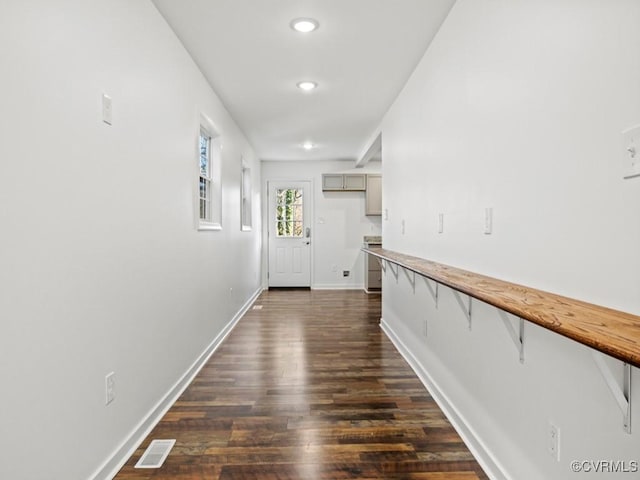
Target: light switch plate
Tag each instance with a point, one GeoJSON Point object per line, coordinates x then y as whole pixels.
{"type": "Point", "coordinates": [631, 151]}
{"type": "Point", "coordinates": [107, 113]}
{"type": "Point", "coordinates": [110, 388]}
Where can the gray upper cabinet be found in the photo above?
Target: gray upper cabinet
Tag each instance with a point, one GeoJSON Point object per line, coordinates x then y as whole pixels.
{"type": "Point", "coordinates": [356, 182]}
{"type": "Point", "coordinates": [331, 181]}
{"type": "Point", "coordinates": [373, 197]}
{"type": "Point", "coordinates": [338, 182]}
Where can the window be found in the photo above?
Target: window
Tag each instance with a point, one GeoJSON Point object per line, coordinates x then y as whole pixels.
{"type": "Point", "coordinates": [209, 189]}
{"type": "Point", "coordinates": [289, 219]}
{"type": "Point", "coordinates": [245, 201]}
{"type": "Point", "coordinates": [205, 177]}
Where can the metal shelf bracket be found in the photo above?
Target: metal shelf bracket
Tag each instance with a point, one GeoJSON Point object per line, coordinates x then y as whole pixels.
{"type": "Point", "coordinates": [517, 337]}
{"type": "Point", "coordinates": [383, 264]}
{"type": "Point", "coordinates": [411, 276]}
{"type": "Point", "coordinates": [465, 308]}
{"type": "Point", "coordinates": [432, 290]}
{"type": "Point", "coordinates": [395, 272]}
{"type": "Point", "coordinates": [622, 394]}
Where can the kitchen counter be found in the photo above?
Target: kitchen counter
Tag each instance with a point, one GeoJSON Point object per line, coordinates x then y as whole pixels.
{"type": "Point", "coordinates": [372, 269]}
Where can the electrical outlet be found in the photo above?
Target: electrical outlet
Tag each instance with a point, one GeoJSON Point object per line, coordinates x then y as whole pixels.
{"type": "Point", "coordinates": [488, 221]}
{"type": "Point", "coordinates": [345, 273]}
{"type": "Point", "coordinates": [110, 387]}
{"type": "Point", "coordinates": [402, 226]}
{"type": "Point", "coordinates": [553, 439]}
{"type": "Point", "coordinates": [440, 222]}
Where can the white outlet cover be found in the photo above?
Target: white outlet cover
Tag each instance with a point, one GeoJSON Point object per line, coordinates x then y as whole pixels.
{"type": "Point", "coordinates": [554, 441]}
{"type": "Point", "coordinates": [631, 151]}
{"type": "Point", "coordinates": [488, 221]}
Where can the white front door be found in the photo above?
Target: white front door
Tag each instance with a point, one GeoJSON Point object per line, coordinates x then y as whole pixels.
{"type": "Point", "coordinates": [289, 234]}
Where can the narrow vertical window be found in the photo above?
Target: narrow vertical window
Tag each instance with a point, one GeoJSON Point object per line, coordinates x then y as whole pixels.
{"type": "Point", "coordinates": [208, 191]}
{"type": "Point", "coordinates": [205, 177]}
{"type": "Point", "coordinates": [245, 213]}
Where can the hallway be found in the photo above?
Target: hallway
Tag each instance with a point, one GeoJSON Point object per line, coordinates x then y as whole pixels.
{"type": "Point", "coordinates": [308, 387]}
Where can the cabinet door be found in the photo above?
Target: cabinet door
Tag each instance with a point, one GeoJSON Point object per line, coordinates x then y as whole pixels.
{"type": "Point", "coordinates": [332, 181]}
{"type": "Point", "coordinates": [374, 195]}
{"type": "Point", "coordinates": [357, 182]}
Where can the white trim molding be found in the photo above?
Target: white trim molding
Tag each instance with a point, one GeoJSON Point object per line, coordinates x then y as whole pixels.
{"type": "Point", "coordinates": [336, 286]}
{"type": "Point", "coordinates": [119, 457]}
{"type": "Point", "coordinates": [474, 443]}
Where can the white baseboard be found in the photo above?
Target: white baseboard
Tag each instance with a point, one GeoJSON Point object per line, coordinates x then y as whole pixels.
{"type": "Point", "coordinates": [489, 463]}
{"type": "Point", "coordinates": [336, 286]}
{"type": "Point", "coordinates": [114, 463]}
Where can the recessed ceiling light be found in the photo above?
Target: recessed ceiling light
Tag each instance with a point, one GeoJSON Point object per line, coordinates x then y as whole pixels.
{"type": "Point", "coordinates": [307, 85]}
{"type": "Point", "coordinates": [308, 145]}
{"type": "Point", "coordinates": [304, 25]}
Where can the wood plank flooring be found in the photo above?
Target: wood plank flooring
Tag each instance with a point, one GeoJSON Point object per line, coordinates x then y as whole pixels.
{"type": "Point", "coordinates": [308, 388]}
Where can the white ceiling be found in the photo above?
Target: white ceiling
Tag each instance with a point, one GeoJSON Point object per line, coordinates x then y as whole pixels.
{"type": "Point", "coordinates": [361, 56]}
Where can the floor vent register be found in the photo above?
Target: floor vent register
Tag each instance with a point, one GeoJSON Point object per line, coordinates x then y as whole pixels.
{"type": "Point", "coordinates": [155, 454]}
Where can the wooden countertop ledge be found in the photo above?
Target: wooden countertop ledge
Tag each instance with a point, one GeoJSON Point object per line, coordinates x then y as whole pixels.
{"type": "Point", "coordinates": [609, 331]}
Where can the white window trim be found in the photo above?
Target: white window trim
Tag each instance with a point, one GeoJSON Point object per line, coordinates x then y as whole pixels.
{"type": "Point", "coordinates": [203, 226]}
{"type": "Point", "coordinates": [215, 152]}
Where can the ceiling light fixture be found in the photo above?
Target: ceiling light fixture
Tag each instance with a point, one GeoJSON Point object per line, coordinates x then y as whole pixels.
{"type": "Point", "coordinates": [308, 145]}
{"type": "Point", "coordinates": [304, 25]}
{"type": "Point", "coordinates": [307, 85]}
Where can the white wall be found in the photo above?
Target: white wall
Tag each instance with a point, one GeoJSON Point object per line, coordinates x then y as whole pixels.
{"type": "Point", "coordinates": [519, 106]}
{"type": "Point", "coordinates": [339, 221]}
{"type": "Point", "coordinates": [102, 268]}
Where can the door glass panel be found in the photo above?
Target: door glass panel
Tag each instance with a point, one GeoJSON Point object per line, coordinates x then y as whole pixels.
{"type": "Point", "coordinates": [289, 212]}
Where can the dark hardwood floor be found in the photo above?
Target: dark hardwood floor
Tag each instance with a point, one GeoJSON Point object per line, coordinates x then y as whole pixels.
{"type": "Point", "coordinates": [308, 388]}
